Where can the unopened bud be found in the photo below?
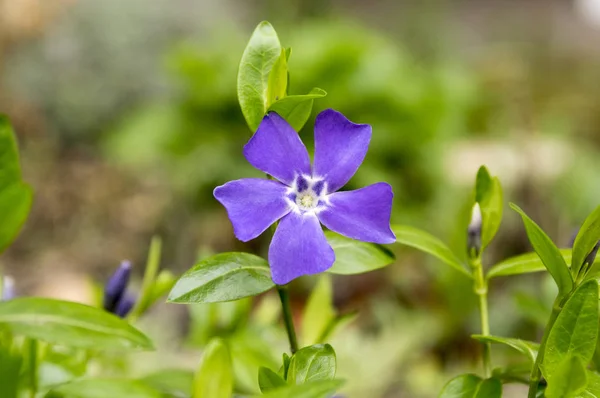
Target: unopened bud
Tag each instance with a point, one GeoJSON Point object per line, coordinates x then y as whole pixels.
{"type": "Point", "coordinates": [589, 260]}
{"type": "Point", "coordinates": [8, 288]}
{"type": "Point", "coordinates": [115, 288]}
{"type": "Point", "coordinates": [124, 305]}
{"type": "Point", "coordinates": [474, 232]}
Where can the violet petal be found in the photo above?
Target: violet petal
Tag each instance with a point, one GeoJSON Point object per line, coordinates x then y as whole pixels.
{"type": "Point", "coordinates": [299, 248]}
{"type": "Point", "coordinates": [363, 214]}
{"type": "Point", "coordinates": [116, 285]}
{"type": "Point", "coordinates": [253, 204]}
{"type": "Point", "coordinates": [124, 305]}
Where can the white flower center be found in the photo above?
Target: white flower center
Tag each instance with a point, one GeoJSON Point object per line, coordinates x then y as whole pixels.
{"type": "Point", "coordinates": [308, 194]}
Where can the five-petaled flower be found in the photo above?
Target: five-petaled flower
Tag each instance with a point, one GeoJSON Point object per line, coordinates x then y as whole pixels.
{"type": "Point", "coordinates": [303, 196]}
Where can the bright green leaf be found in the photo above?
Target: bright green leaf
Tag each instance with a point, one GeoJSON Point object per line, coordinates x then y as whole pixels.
{"type": "Point", "coordinates": [296, 109]}
{"type": "Point", "coordinates": [314, 389]}
{"type": "Point", "coordinates": [171, 382]}
{"type": "Point", "coordinates": [548, 252]}
{"type": "Point", "coordinates": [70, 324]}
{"type": "Point", "coordinates": [10, 368]}
{"type": "Point", "coordinates": [428, 243]}
{"type": "Point", "coordinates": [586, 239]}
{"type": "Point", "coordinates": [105, 388]}
{"type": "Point", "coordinates": [592, 390]}
{"type": "Point", "coordinates": [568, 380]}
{"type": "Point", "coordinates": [523, 264]}
{"type": "Point", "coordinates": [575, 331]}
{"type": "Point", "coordinates": [260, 54]}
{"type": "Point", "coordinates": [277, 86]}
{"type": "Point", "coordinates": [356, 257]}
{"type": "Point", "coordinates": [528, 348]}
{"type": "Point", "coordinates": [316, 362]}
{"type": "Point", "coordinates": [319, 311]}
{"type": "Point", "coordinates": [162, 285]}
{"type": "Point", "coordinates": [488, 193]}
{"type": "Point", "coordinates": [471, 386]}
{"type": "Point", "coordinates": [268, 380]}
{"type": "Point", "coordinates": [214, 378]}
{"type": "Point", "coordinates": [223, 277]}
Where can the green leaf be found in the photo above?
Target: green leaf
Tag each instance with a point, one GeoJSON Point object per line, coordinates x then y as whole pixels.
{"type": "Point", "coordinates": [575, 331]}
{"type": "Point", "coordinates": [104, 388]}
{"type": "Point", "coordinates": [428, 243]}
{"type": "Point", "coordinates": [171, 382]}
{"type": "Point", "coordinates": [214, 378]}
{"type": "Point", "coordinates": [277, 86]}
{"type": "Point", "coordinates": [260, 54]}
{"type": "Point", "coordinates": [586, 239]}
{"type": "Point", "coordinates": [548, 252]}
{"type": "Point", "coordinates": [70, 324]}
{"type": "Point", "coordinates": [10, 368]}
{"type": "Point", "coordinates": [162, 285]}
{"type": "Point", "coordinates": [319, 311]}
{"type": "Point", "coordinates": [488, 193]}
{"type": "Point", "coordinates": [528, 348]}
{"type": "Point", "coordinates": [285, 366]}
{"type": "Point", "coordinates": [314, 389]}
{"type": "Point", "coordinates": [523, 264]}
{"type": "Point", "coordinates": [268, 380]}
{"type": "Point", "coordinates": [147, 293]}
{"type": "Point", "coordinates": [316, 362]}
{"type": "Point", "coordinates": [296, 109]}
{"type": "Point", "coordinates": [356, 257]}
{"type": "Point", "coordinates": [223, 277]}
{"type": "Point", "coordinates": [568, 380]}
{"type": "Point", "coordinates": [15, 195]}
{"type": "Point", "coordinates": [592, 390]}
{"type": "Point", "coordinates": [471, 386]}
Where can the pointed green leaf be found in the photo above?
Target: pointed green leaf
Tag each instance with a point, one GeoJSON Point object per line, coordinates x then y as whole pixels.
{"type": "Point", "coordinates": [568, 380]}
{"type": "Point", "coordinates": [586, 239]}
{"type": "Point", "coordinates": [523, 264]}
{"type": "Point", "coordinates": [316, 362]}
{"type": "Point", "coordinates": [548, 252]}
{"type": "Point", "coordinates": [313, 389]}
{"type": "Point", "coordinates": [70, 324]}
{"type": "Point", "coordinates": [104, 388]}
{"type": "Point", "coordinates": [356, 257]}
{"type": "Point", "coordinates": [488, 193]}
{"type": "Point", "coordinates": [575, 331]}
{"type": "Point", "coordinates": [296, 109]}
{"type": "Point", "coordinates": [319, 311]}
{"type": "Point", "coordinates": [171, 382]}
{"type": "Point", "coordinates": [428, 243]}
{"type": "Point", "coordinates": [223, 277]}
{"type": "Point", "coordinates": [269, 380]}
{"type": "Point", "coordinates": [528, 348]}
{"type": "Point", "coordinates": [471, 386]}
{"type": "Point", "coordinates": [277, 86]}
{"type": "Point", "coordinates": [260, 54]}
{"type": "Point", "coordinates": [214, 378]}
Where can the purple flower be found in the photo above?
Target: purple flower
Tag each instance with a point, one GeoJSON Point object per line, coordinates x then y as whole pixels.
{"type": "Point", "coordinates": [305, 196]}
{"type": "Point", "coordinates": [116, 299]}
{"type": "Point", "coordinates": [8, 289]}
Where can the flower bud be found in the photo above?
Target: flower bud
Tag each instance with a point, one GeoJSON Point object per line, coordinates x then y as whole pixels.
{"type": "Point", "coordinates": [589, 260]}
{"type": "Point", "coordinates": [8, 288]}
{"type": "Point", "coordinates": [474, 232]}
{"type": "Point", "coordinates": [124, 305]}
{"type": "Point", "coordinates": [114, 289]}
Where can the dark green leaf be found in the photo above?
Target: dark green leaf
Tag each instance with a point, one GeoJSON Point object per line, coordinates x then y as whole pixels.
{"type": "Point", "coordinates": [316, 362]}
{"type": "Point", "coordinates": [548, 252]}
{"type": "Point", "coordinates": [277, 86]}
{"type": "Point", "coordinates": [488, 193]}
{"type": "Point", "coordinates": [260, 54]}
{"type": "Point", "coordinates": [268, 380]}
{"type": "Point", "coordinates": [575, 331]}
{"type": "Point", "coordinates": [471, 386]}
{"type": "Point", "coordinates": [586, 239]}
{"type": "Point", "coordinates": [314, 389]}
{"type": "Point", "coordinates": [223, 277]}
{"type": "Point", "coordinates": [70, 324]}
{"type": "Point", "coordinates": [356, 257]}
{"type": "Point", "coordinates": [523, 264]}
{"type": "Point", "coordinates": [319, 311]}
{"type": "Point", "coordinates": [105, 388]}
{"type": "Point", "coordinates": [428, 243]}
{"type": "Point", "coordinates": [296, 109]}
{"type": "Point", "coordinates": [175, 383]}
{"type": "Point", "coordinates": [528, 348]}
{"type": "Point", "coordinates": [568, 380]}
{"type": "Point", "coordinates": [10, 368]}
{"type": "Point", "coordinates": [214, 378]}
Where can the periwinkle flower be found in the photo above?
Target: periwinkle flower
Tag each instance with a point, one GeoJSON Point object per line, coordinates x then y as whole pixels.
{"type": "Point", "coordinates": [116, 298]}
{"type": "Point", "coordinates": [305, 196]}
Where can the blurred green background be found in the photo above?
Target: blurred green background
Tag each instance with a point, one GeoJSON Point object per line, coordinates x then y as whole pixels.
{"type": "Point", "coordinates": [127, 118]}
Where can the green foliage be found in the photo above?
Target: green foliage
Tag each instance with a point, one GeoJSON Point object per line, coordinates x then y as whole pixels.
{"type": "Point", "coordinates": [70, 324]}
{"type": "Point", "coordinates": [471, 386]}
{"type": "Point", "coordinates": [575, 331]}
{"type": "Point", "coordinates": [214, 378]}
{"type": "Point", "coordinates": [527, 348]}
{"type": "Point", "coordinates": [548, 253]}
{"type": "Point", "coordinates": [296, 109]}
{"type": "Point", "coordinates": [314, 389]}
{"type": "Point", "coordinates": [278, 79]}
{"type": "Point", "coordinates": [104, 388]}
{"type": "Point", "coordinates": [523, 264]}
{"type": "Point", "coordinates": [356, 257]}
{"type": "Point", "coordinates": [10, 366]}
{"type": "Point", "coordinates": [592, 390]}
{"type": "Point", "coordinates": [171, 382]}
{"type": "Point", "coordinates": [488, 193]}
{"type": "Point", "coordinates": [586, 239]}
{"type": "Point", "coordinates": [319, 312]}
{"type": "Point", "coordinates": [312, 363]}
{"type": "Point", "coordinates": [428, 243]}
{"type": "Point", "coordinates": [15, 195]}
{"type": "Point", "coordinates": [223, 277]}
{"type": "Point", "coordinates": [269, 380]}
{"type": "Point", "coordinates": [568, 380]}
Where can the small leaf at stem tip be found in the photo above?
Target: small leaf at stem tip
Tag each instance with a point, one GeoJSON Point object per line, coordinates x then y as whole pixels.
{"type": "Point", "coordinates": [488, 193]}
{"type": "Point", "coordinates": [313, 389]}
{"type": "Point", "coordinates": [472, 386]}
{"type": "Point", "coordinates": [268, 379]}
{"type": "Point", "coordinates": [586, 240]}
{"type": "Point", "coordinates": [312, 363]}
{"type": "Point", "coordinates": [277, 86]}
{"type": "Point", "coordinates": [296, 109]}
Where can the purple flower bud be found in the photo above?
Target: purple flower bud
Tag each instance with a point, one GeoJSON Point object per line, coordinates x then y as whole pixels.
{"type": "Point", "coordinates": [591, 257]}
{"type": "Point", "coordinates": [474, 231]}
{"type": "Point", "coordinates": [8, 289]}
{"type": "Point", "coordinates": [124, 305]}
{"type": "Point", "coordinates": [114, 289]}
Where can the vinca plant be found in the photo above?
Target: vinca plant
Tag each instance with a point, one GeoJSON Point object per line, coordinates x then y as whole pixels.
{"type": "Point", "coordinates": [56, 348]}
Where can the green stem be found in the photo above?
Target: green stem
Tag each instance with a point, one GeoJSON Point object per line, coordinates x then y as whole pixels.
{"type": "Point", "coordinates": [481, 290]}
{"type": "Point", "coordinates": [288, 319]}
{"type": "Point", "coordinates": [32, 348]}
{"type": "Point", "coordinates": [534, 378]}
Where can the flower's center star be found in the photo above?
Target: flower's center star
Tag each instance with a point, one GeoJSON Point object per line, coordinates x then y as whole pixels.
{"type": "Point", "coordinates": [308, 194]}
